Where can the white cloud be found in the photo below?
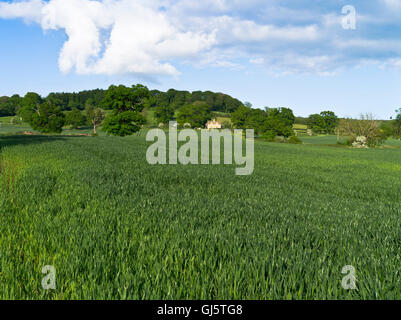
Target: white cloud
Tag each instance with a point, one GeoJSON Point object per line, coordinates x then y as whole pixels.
{"type": "Point", "coordinates": [145, 36]}
{"type": "Point", "coordinates": [140, 36]}
{"type": "Point", "coordinates": [153, 37]}
{"type": "Point", "coordinates": [29, 10]}
{"type": "Point", "coordinates": [232, 29]}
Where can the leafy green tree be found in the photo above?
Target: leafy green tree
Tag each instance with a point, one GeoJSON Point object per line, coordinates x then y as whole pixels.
{"type": "Point", "coordinates": [124, 124]}
{"type": "Point", "coordinates": [55, 100]}
{"type": "Point", "coordinates": [330, 121]}
{"type": "Point", "coordinates": [280, 122]}
{"type": "Point", "coordinates": [325, 122]}
{"type": "Point", "coordinates": [257, 120]}
{"type": "Point", "coordinates": [32, 100]}
{"type": "Point", "coordinates": [127, 105]}
{"type": "Point", "coordinates": [315, 122]}
{"type": "Point", "coordinates": [47, 119]}
{"type": "Point", "coordinates": [196, 115]}
{"type": "Point", "coordinates": [10, 105]}
{"type": "Point", "coordinates": [164, 114]}
{"type": "Point", "coordinates": [388, 128]}
{"type": "Point", "coordinates": [16, 102]}
{"type": "Point", "coordinates": [75, 118]}
{"type": "Point", "coordinates": [270, 123]}
{"type": "Point", "coordinates": [6, 108]}
{"type": "Point", "coordinates": [240, 116]}
{"type": "Point", "coordinates": [41, 116]}
{"type": "Point", "coordinates": [94, 116]}
{"type": "Point", "coordinates": [30, 105]}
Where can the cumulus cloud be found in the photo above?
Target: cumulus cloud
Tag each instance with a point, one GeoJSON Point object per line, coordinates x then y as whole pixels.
{"type": "Point", "coordinates": [153, 37]}
{"type": "Point", "coordinates": [109, 37]}
{"type": "Point", "coordinates": [29, 10]}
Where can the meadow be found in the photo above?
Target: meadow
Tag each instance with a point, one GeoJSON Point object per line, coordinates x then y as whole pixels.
{"type": "Point", "coordinates": [115, 227]}
{"type": "Point", "coordinates": [332, 140]}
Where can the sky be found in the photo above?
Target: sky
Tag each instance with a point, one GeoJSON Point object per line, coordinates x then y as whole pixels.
{"type": "Point", "coordinates": [303, 54]}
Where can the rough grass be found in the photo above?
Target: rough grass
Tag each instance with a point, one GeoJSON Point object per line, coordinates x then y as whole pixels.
{"type": "Point", "coordinates": [6, 128]}
{"type": "Point", "coordinates": [115, 227]}
{"type": "Point", "coordinates": [321, 140]}
{"type": "Point", "coordinates": [300, 126]}
{"type": "Point", "coordinates": [6, 120]}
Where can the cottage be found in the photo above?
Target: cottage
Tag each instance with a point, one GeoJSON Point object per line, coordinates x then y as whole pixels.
{"type": "Point", "coordinates": [214, 124]}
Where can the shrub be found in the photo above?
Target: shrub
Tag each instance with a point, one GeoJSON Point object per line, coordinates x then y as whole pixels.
{"type": "Point", "coordinates": [366, 126]}
{"type": "Point", "coordinates": [360, 143]}
{"type": "Point", "coordinates": [227, 124]}
{"type": "Point", "coordinates": [269, 135]}
{"type": "Point", "coordinates": [294, 140]}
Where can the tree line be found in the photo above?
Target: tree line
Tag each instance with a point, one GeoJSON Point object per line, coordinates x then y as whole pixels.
{"type": "Point", "coordinates": [172, 99]}
{"type": "Point", "coordinates": [126, 105]}
{"type": "Point", "coordinates": [50, 114]}
{"type": "Point", "coordinates": [365, 131]}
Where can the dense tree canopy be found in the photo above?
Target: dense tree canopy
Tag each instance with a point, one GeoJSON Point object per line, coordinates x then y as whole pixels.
{"type": "Point", "coordinates": [29, 106]}
{"type": "Point", "coordinates": [165, 103]}
{"type": "Point", "coordinates": [196, 115]}
{"type": "Point", "coordinates": [75, 118]}
{"type": "Point", "coordinates": [176, 99]}
{"type": "Point", "coordinates": [325, 122]}
{"type": "Point", "coordinates": [10, 105]}
{"type": "Point", "coordinates": [45, 118]}
{"type": "Point", "coordinates": [41, 115]}
{"type": "Point", "coordinates": [68, 101]}
{"type": "Point", "coordinates": [270, 123]}
{"type": "Point", "coordinates": [164, 114]}
{"type": "Point", "coordinates": [280, 122]}
{"type": "Point", "coordinates": [127, 105]}
{"type": "Point", "coordinates": [240, 117]}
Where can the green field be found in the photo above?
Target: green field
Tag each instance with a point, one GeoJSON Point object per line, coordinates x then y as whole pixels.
{"type": "Point", "coordinates": [115, 227]}
{"type": "Point", "coordinates": [6, 120]}
{"type": "Point", "coordinates": [6, 128]}
{"type": "Point", "coordinates": [321, 140]}
{"type": "Point", "coordinates": [333, 140]}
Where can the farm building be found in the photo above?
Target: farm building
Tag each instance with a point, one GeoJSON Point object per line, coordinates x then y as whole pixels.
{"type": "Point", "coordinates": [214, 124]}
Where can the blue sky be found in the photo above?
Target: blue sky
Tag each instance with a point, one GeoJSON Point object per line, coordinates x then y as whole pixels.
{"type": "Point", "coordinates": [271, 53]}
